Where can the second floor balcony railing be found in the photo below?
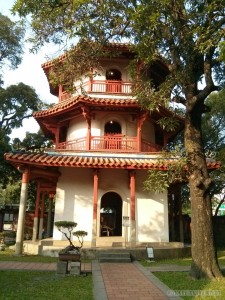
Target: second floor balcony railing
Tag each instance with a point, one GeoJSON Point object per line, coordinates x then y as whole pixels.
{"type": "Point", "coordinates": [106, 87]}
{"type": "Point", "coordinates": [109, 143]}
{"type": "Point", "coordinates": [101, 87]}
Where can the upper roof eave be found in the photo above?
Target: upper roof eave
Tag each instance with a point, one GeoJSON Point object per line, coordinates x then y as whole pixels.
{"type": "Point", "coordinates": [75, 100]}
{"type": "Point", "coordinates": [62, 160]}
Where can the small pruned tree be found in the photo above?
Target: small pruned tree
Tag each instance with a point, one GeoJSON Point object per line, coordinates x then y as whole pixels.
{"type": "Point", "coordinates": [66, 228]}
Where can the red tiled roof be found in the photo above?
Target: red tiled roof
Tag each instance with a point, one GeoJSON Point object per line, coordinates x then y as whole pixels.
{"type": "Point", "coordinates": [68, 103]}
{"type": "Point", "coordinates": [118, 46]}
{"type": "Point", "coordinates": [57, 160]}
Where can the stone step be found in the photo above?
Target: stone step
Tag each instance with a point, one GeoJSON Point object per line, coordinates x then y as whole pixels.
{"type": "Point", "coordinates": [115, 257]}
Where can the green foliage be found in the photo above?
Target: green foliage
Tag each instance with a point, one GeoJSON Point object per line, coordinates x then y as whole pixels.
{"type": "Point", "coordinates": [11, 41]}
{"type": "Point", "coordinates": [10, 194]}
{"type": "Point", "coordinates": [18, 102]}
{"type": "Point", "coordinates": [168, 123]}
{"type": "Point", "coordinates": [70, 225]}
{"type": "Point", "coordinates": [33, 142]}
{"type": "Point", "coordinates": [66, 227]}
{"type": "Point", "coordinates": [174, 164]}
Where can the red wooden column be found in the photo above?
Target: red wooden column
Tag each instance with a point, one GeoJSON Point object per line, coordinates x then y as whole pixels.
{"type": "Point", "coordinates": [87, 117]}
{"type": "Point", "coordinates": [22, 211]}
{"type": "Point", "coordinates": [140, 122]}
{"type": "Point", "coordinates": [60, 92]}
{"type": "Point", "coordinates": [36, 214]}
{"type": "Point", "coordinates": [132, 209]}
{"type": "Point", "coordinates": [95, 206]}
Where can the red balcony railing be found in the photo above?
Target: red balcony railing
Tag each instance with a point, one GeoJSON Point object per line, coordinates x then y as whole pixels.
{"type": "Point", "coordinates": [118, 143]}
{"type": "Point", "coordinates": [110, 86]}
{"type": "Point", "coordinates": [102, 87]}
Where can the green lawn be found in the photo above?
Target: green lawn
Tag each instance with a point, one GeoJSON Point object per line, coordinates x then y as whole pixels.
{"type": "Point", "coordinates": [186, 261]}
{"type": "Point", "coordinates": [183, 283]}
{"type": "Point", "coordinates": [8, 255]}
{"type": "Point", "coordinates": [27, 285]}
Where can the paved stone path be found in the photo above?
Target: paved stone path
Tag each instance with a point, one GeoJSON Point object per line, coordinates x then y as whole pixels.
{"type": "Point", "coordinates": [131, 281]}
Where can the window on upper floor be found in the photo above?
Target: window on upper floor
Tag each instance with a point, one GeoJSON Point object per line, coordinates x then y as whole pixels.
{"type": "Point", "coordinates": [113, 74]}
{"type": "Point", "coordinates": [113, 81]}
{"type": "Point", "coordinates": [112, 127]}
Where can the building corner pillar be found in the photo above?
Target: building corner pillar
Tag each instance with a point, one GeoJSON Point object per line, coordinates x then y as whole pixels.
{"type": "Point", "coordinates": [132, 210]}
{"type": "Point", "coordinates": [95, 206]}
{"type": "Point", "coordinates": [22, 212]}
{"type": "Point", "coordinates": [36, 214]}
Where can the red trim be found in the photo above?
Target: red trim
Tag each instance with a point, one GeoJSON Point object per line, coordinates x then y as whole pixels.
{"type": "Point", "coordinates": [26, 176]}
{"type": "Point", "coordinates": [55, 160]}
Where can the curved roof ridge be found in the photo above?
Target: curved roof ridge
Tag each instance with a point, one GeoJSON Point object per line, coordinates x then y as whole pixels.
{"type": "Point", "coordinates": [70, 102]}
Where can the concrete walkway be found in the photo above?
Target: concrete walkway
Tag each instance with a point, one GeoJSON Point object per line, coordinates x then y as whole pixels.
{"type": "Point", "coordinates": [111, 281]}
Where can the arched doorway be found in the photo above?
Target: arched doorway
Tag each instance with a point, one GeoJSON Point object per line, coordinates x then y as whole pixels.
{"type": "Point", "coordinates": [113, 81]}
{"type": "Point", "coordinates": [111, 215]}
{"type": "Point", "coordinates": [113, 136]}
{"type": "Point", "coordinates": [112, 127]}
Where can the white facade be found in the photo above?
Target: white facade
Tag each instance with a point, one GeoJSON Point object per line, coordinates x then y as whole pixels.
{"type": "Point", "coordinates": [74, 202]}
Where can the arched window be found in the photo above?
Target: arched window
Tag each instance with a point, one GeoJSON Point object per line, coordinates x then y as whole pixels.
{"type": "Point", "coordinates": [113, 81]}
{"type": "Point", "coordinates": [113, 136]}
{"type": "Point", "coordinates": [113, 74]}
{"type": "Point", "coordinates": [112, 127]}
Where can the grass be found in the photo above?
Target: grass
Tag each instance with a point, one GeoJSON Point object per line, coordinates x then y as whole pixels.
{"type": "Point", "coordinates": [200, 289]}
{"type": "Point", "coordinates": [186, 261]}
{"type": "Point", "coordinates": [8, 255]}
{"type": "Point", "coordinates": [26, 285]}
{"type": "Point", "coordinates": [183, 283]}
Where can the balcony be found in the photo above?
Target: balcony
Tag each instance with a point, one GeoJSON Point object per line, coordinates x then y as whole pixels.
{"type": "Point", "coordinates": [118, 143]}
{"type": "Point", "coordinates": [109, 87]}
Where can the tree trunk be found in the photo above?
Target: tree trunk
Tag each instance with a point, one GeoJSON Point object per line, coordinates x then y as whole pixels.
{"type": "Point", "coordinates": [204, 258]}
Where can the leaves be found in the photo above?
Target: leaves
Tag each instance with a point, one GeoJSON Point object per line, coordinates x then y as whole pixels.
{"type": "Point", "coordinates": [11, 37]}
{"type": "Point", "coordinates": [175, 170]}
{"type": "Point", "coordinates": [17, 103]}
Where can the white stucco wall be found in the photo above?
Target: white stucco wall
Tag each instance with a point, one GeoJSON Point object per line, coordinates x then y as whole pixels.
{"type": "Point", "coordinates": [151, 213]}
{"type": "Point", "coordinates": [78, 126]}
{"type": "Point", "coordinates": [74, 196]}
{"type": "Point", "coordinates": [74, 199]}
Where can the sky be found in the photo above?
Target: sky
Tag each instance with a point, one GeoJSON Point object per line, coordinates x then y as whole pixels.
{"type": "Point", "coordinates": [30, 73]}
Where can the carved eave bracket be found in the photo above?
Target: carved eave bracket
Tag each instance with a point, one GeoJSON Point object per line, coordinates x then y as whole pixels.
{"type": "Point", "coordinates": [86, 114]}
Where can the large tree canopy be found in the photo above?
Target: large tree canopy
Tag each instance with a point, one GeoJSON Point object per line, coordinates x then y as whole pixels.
{"type": "Point", "coordinates": [18, 102]}
{"type": "Point", "coordinates": [186, 35]}
{"type": "Point", "coordinates": [11, 46]}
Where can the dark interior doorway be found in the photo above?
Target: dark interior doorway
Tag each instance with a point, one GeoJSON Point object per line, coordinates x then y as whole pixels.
{"type": "Point", "coordinates": [113, 81]}
{"type": "Point", "coordinates": [112, 127]}
{"type": "Point", "coordinates": [111, 215]}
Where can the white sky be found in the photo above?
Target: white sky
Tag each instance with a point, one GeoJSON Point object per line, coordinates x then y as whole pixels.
{"type": "Point", "coordinates": [30, 73]}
